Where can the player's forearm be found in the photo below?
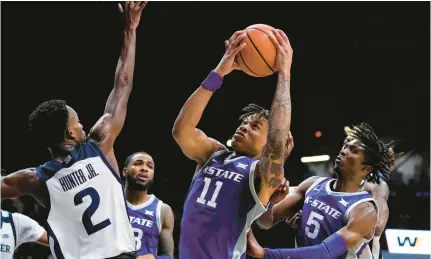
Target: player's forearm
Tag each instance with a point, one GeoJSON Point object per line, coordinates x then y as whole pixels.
{"type": "Point", "coordinates": [124, 72]}
{"type": "Point", "coordinates": [279, 125]}
{"type": "Point", "coordinates": [126, 62]}
{"type": "Point", "coordinates": [8, 191]}
{"type": "Point", "coordinates": [383, 218]}
{"type": "Point", "coordinates": [266, 220]}
{"type": "Point", "coordinates": [191, 113]}
{"type": "Point", "coordinates": [280, 115]}
{"type": "Point", "coordinates": [331, 248]}
{"type": "Point", "coordinates": [18, 183]}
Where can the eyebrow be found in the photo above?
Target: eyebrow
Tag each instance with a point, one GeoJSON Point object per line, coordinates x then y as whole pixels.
{"type": "Point", "coordinates": [141, 160]}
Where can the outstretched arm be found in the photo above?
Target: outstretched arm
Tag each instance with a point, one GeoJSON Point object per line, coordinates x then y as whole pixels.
{"type": "Point", "coordinates": [19, 183]}
{"type": "Point", "coordinates": [361, 223]}
{"type": "Point", "coordinates": [193, 141]}
{"type": "Point", "coordinates": [270, 168]}
{"type": "Point", "coordinates": [380, 193]}
{"type": "Point", "coordinates": [286, 207]}
{"type": "Point", "coordinates": [107, 129]}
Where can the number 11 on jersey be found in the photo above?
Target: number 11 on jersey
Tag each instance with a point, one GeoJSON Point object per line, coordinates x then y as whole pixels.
{"type": "Point", "coordinates": [212, 202]}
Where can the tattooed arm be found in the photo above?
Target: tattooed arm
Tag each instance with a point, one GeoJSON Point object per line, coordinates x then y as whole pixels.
{"type": "Point", "coordinates": [269, 172]}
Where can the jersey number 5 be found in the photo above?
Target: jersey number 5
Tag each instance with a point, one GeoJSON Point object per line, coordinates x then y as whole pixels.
{"type": "Point", "coordinates": [312, 222]}
{"type": "Point", "coordinates": [212, 202]}
{"type": "Point", "coordinates": [86, 217]}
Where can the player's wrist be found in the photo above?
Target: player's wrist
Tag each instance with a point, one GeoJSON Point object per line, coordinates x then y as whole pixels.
{"type": "Point", "coordinates": [213, 81]}
{"type": "Point", "coordinates": [284, 74]}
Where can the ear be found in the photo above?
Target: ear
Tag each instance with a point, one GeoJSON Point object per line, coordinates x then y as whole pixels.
{"type": "Point", "coordinates": [69, 134]}
{"type": "Point", "coordinates": [367, 169]}
{"type": "Point", "coordinates": [124, 172]}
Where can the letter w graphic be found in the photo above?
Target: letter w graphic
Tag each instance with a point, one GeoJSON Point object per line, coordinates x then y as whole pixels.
{"type": "Point", "coordinates": [415, 242]}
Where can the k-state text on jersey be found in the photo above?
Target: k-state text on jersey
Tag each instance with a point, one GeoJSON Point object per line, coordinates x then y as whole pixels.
{"type": "Point", "coordinates": [77, 177]}
{"type": "Point", "coordinates": [323, 207]}
{"type": "Point", "coordinates": [210, 170]}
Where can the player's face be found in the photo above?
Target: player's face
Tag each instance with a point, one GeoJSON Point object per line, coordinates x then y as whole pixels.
{"type": "Point", "coordinates": [140, 172]}
{"type": "Point", "coordinates": [74, 126]}
{"type": "Point", "coordinates": [250, 137]}
{"type": "Point", "coordinates": [351, 158]}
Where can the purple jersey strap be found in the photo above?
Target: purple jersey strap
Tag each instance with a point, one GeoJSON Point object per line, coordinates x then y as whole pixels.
{"type": "Point", "coordinates": [331, 248]}
{"type": "Point", "coordinates": [163, 257]}
{"type": "Point", "coordinates": [213, 81]}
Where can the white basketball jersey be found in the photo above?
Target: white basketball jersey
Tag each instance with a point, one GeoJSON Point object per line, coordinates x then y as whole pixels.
{"type": "Point", "coordinates": [17, 229]}
{"type": "Point", "coordinates": [8, 235]}
{"type": "Point", "coordinates": [87, 214]}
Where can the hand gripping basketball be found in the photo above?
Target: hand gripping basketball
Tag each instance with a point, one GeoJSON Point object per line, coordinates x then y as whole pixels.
{"type": "Point", "coordinates": [284, 52]}
{"type": "Point", "coordinates": [233, 46]}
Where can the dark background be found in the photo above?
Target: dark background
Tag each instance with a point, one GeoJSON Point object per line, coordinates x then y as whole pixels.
{"type": "Point", "coordinates": [353, 62]}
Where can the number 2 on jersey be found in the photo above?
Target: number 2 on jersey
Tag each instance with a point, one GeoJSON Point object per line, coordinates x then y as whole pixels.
{"type": "Point", "coordinates": [212, 202]}
{"type": "Point", "coordinates": [312, 222]}
{"type": "Point", "coordinates": [86, 217]}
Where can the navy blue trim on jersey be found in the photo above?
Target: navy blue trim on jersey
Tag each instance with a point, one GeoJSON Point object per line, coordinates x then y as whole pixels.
{"type": "Point", "coordinates": [12, 224]}
{"type": "Point", "coordinates": [99, 152]}
{"type": "Point", "coordinates": [9, 219]}
{"type": "Point", "coordinates": [83, 151]}
{"type": "Point", "coordinates": [57, 250]}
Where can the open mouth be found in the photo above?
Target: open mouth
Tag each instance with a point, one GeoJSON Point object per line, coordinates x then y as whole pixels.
{"type": "Point", "coordinates": [142, 176]}
{"type": "Point", "coordinates": [238, 133]}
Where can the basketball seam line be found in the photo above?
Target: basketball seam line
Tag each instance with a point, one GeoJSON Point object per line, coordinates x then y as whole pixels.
{"type": "Point", "coordinates": [270, 68]}
{"type": "Point", "coordinates": [243, 61]}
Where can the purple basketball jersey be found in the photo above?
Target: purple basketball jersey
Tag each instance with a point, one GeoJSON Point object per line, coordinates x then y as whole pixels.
{"type": "Point", "coordinates": [325, 212]}
{"type": "Point", "coordinates": [219, 209]}
{"type": "Point", "coordinates": [146, 224]}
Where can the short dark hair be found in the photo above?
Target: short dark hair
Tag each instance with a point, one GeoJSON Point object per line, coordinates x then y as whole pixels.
{"type": "Point", "coordinates": [47, 124]}
{"type": "Point", "coordinates": [252, 109]}
{"type": "Point", "coordinates": [380, 156]}
{"type": "Point", "coordinates": [129, 158]}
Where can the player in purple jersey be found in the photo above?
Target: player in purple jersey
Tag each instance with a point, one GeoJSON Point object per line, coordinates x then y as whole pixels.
{"type": "Point", "coordinates": [151, 219]}
{"type": "Point", "coordinates": [231, 189]}
{"type": "Point", "coordinates": [377, 188]}
{"type": "Point", "coordinates": [337, 218]}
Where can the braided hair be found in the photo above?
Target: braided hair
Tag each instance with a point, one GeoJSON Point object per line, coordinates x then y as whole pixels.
{"type": "Point", "coordinates": [380, 156]}
{"type": "Point", "coordinates": [252, 109]}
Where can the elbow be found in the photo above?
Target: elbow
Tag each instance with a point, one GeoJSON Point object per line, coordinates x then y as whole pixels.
{"type": "Point", "coordinates": [262, 225]}
{"type": "Point", "coordinates": [176, 131]}
{"type": "Point", "coordinates": [380, 227]}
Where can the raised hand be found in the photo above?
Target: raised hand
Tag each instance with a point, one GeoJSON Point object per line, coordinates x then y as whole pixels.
{"type": "Point", "coordinates": [284, 52]}
{"type": "Point", "coordinates": [293, 221]}
{"type": "Point", "coordinates": [280, 193]}
{"type": "Point", "coordinates": [133, 11]}
{"type": "Point", "coordinates": [232, 46]}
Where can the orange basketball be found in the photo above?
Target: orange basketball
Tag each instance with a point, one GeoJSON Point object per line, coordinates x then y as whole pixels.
{"type": "Point", "coordinates": [257, 58]}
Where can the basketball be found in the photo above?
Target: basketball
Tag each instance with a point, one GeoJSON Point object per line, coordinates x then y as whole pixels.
{"type": "Point", "coordinates": [257, 58]}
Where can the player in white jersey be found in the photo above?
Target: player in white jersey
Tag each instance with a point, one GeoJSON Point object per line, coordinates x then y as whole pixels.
{"type": "Point", "coordinates": [17, 229]}
{"type": "Point", "coordinates": [81, 186]}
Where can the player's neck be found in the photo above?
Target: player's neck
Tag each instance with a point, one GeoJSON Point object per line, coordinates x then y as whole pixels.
{"type": "Point", "coordinates": [136, 197]}
{"type": "Point", "coordinates": [236, 154]}
{"type": "Point", "coordinates": [61, 151]}
{"type": "Point", "coordinates": [342, 185]}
